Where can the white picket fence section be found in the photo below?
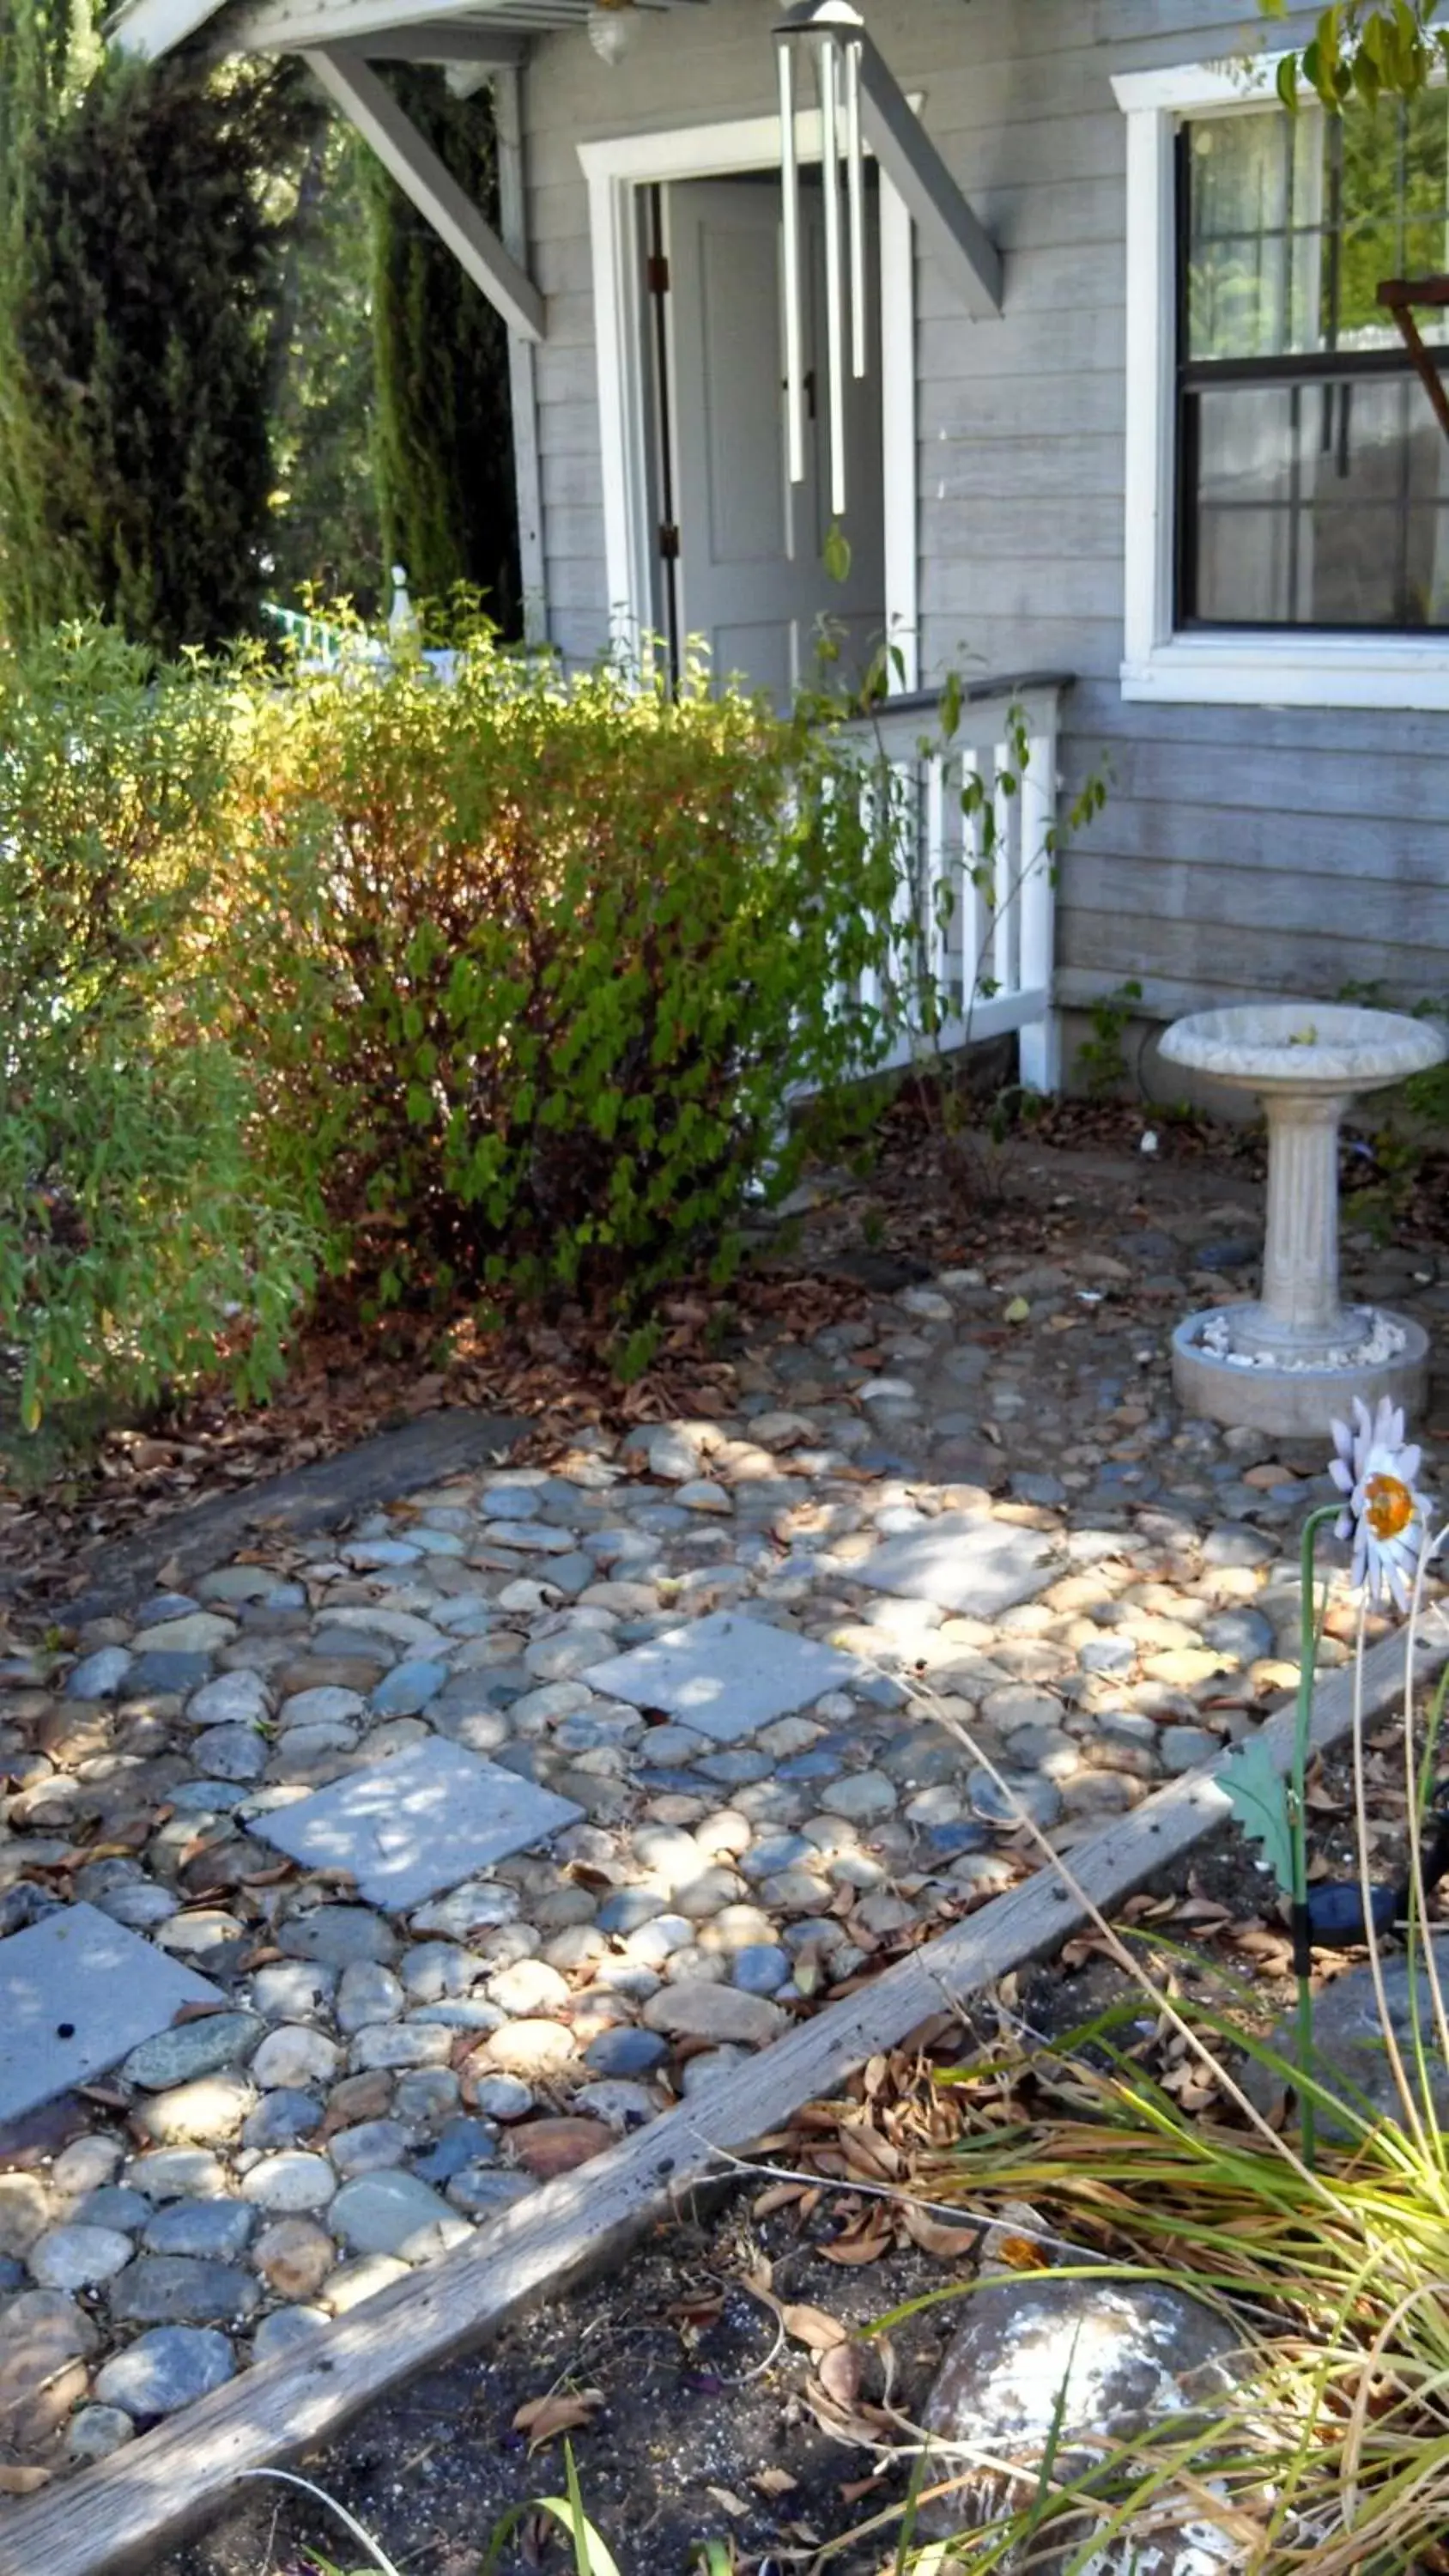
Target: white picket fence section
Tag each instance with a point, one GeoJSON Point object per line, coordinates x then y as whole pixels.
{"type": "Point", "coordinates": [990, 946]}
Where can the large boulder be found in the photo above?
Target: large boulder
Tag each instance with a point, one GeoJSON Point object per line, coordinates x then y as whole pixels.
{"type": "Point", "coordinates": [1350, 2053]}
{"type": "Point", "coordinates": [1129, 2354]}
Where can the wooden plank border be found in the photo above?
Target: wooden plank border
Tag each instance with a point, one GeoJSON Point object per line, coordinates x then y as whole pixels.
{"type": "Point", "coordinates": [315, 1497]}
{"type": "Point", "coordinates": [123, 2513]}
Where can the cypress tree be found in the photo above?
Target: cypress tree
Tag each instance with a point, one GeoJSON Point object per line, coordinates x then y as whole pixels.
{"type": "Point", "coordinates": [135, 475]}
{"type": "Point", "coordinates": [443, 433]}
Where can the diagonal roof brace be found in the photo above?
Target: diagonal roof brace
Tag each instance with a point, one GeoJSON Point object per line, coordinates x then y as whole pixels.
{"type": "Point", "coordinates": [948, 226]}
{"type": "Point", "coordinates": [370, 106]}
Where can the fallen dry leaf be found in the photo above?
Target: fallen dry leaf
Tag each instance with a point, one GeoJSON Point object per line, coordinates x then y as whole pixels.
{"type": "Point", "coordinates": [774, 2482]}
{"type": "Point", "coordinates": [735, 2506]}
{"type": "Point", "coordinates": [779, 2196]}
{"type": "Point", "coordinates": [839, 2372]}
{"type": "Point", "coordinates": [568, 2411]}
{"type": "Point", "coordinates": [813, 2327]}
{"type": "Point", "coordinates": [937, 2236]}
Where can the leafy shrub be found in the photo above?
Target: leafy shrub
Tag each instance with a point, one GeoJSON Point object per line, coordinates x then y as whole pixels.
{"type": "Point", "coordinates": [135, 1234]}
{"type": "Point", "coordinates": [529, 964]}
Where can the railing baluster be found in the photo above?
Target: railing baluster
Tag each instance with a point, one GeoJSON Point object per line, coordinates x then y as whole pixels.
{"type": "Point", "coordinates": [997, 932]}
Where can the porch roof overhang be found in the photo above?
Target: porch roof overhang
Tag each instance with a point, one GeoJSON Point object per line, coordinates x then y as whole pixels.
{"type": "Point", "coordinates": [490, 32]}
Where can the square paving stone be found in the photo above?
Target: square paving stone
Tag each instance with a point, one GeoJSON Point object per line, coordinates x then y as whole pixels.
{"type": "Point", "coordinates": [964, 1562]}
{"type": "Point", "coordinates": [77, 1992]}
{"type": "Point", "coordinates": [725, 1675]}
{"type": "Point", "coordinates": [419, 1824]}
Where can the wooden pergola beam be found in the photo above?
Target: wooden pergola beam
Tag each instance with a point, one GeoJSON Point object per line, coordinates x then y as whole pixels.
{"type": "Point", "coordinates": [369, 105]}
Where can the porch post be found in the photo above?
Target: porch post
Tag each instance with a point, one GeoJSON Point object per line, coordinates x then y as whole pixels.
{"type": "Point", "coordinates": [523, 391]}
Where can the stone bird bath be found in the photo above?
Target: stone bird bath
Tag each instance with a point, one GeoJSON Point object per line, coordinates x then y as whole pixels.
{"type": "Point", "coordinates": [1294, 1359]}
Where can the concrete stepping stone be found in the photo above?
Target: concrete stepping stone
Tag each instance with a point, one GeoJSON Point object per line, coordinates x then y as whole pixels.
{"type": "Point", "coordinates": [78, 1992]}
{"type": "Point", "coordinates": [418, 1824]}
{"type": "Point", "coordinates": [964, 1562]}
{"type": "Point", "coordinates": [725, 1675]}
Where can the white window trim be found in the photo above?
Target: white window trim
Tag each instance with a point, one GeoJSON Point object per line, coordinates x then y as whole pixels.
{"type": "Point", "coordinates": [1225, 667]}
{"type": "Point", "coordinates": [613, 169]}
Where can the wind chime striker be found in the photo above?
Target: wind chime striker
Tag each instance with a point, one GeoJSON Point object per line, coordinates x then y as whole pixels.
{"type": "Point", "coordinates": [832, 32]}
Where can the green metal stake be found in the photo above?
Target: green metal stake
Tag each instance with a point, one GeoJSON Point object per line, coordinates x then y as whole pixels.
{"type": "Point", "coordinates": [1308, 1634]}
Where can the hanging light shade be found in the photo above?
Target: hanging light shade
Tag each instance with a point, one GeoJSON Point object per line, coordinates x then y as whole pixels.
{"type": "Point", "coordinates": [613, 29]}
{"type": "Point", "coordinates": [828, 33]}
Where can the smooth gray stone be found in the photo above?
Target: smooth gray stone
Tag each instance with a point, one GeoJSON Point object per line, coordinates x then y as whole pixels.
{"type": "Point", "coordinates": [214, 2230]}
{"type": "Point", "coordinates": [165, 2370]}
{"type": "Point", "coordinates": [194, 2048]}
{"type": "Point", "coordinates": [181, 2290]}
{"type": "Point", "coordinates": [393, 2213]}
{"type": "Point", "coordinates": [335, 1935]}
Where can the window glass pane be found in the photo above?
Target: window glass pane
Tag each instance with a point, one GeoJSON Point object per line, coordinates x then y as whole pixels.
{"type": "Point", "coordinates": [1294, 223]}
{"type": "Point", "coordinates": [1323, 504]}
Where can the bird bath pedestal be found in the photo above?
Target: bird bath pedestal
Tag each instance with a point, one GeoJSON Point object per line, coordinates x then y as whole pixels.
{"type": "Point", "coordinates": [1294, 1359]}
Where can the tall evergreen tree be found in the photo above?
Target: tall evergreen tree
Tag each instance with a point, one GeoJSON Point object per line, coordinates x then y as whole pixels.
{"type": "Point", "coordinates": [135, 469]}
{"type": "Point", "coordinates": [444, 438]}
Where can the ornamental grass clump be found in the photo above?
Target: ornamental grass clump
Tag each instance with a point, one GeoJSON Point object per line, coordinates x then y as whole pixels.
{"type": "Point", "coordinates": [530, 964]}
{"type": "Point", "coordinates": [1322, 2235]}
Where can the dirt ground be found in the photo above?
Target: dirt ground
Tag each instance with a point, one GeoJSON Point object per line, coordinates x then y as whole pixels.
{"type": "Point", "coordinates": [696, 2434]}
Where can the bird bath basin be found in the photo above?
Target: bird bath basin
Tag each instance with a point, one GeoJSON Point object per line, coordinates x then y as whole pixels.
{"type": "Point", "coordinates": [1294, 1359]}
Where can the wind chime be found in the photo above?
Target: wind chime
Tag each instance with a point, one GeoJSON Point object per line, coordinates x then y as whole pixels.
{"type": "Point", "coordinates": [833, 32]}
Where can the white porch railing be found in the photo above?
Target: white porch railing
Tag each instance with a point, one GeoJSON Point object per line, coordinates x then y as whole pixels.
{"type": "Point", "coordinates": [977, 904]}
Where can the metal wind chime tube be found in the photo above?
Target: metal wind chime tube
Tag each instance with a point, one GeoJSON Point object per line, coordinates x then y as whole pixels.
{"type": "Point", "coordinates": [828, 66]}
{"type": "Point", "coordinates": [792, 288]}
{"type": "Point", "coordinates": [832, 29]}
{"type": "Point", "coordinates": [855, 190]}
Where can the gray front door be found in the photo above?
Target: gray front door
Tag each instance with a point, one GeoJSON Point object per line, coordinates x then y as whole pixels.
{"type": "Point", "coordinates": [751, 574]}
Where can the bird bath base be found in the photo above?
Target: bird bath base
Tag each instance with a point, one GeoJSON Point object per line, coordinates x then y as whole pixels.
{"type": "Point", "coordinates": [1389, 1355]}
{"type": "Point", "coordinates": [1293, 1361]}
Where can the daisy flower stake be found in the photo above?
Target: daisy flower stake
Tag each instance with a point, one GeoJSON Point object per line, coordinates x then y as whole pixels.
{"type": "Point", "coordinates": [1383, 1513]}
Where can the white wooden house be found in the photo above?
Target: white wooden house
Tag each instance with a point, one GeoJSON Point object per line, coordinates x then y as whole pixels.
{"type": "Point", "coordinates": [1130, 419]}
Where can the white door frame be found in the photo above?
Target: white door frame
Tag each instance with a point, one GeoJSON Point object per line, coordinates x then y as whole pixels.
{"type": "Point", "coordinates": [614, 168]}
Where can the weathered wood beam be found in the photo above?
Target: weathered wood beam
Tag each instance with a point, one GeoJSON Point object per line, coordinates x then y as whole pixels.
{"type": "Point", "coordinates": [949, 228]}
{"type": "Point", "coordinates": [436, 40]}
{"type": "Point", "coordinates": [369, 105]}
{"type": "Point", "coordinates": [124, 2513]}
{"type": "Point", "coordinates": [289, 26]}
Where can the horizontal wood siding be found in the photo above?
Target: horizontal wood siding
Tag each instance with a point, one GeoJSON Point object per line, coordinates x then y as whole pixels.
{"type": "Point", "coordinates": [1242, 850]}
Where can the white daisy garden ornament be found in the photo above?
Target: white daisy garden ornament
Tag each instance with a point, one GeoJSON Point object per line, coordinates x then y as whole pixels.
{"type": "Point", "coordinates": [1383, 1512]}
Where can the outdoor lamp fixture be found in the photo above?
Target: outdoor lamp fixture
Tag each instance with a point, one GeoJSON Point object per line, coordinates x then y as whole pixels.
{"type": "Point", "coordinates": [833, 32]}
{"type": "Point", "coordinates": [613, 30]}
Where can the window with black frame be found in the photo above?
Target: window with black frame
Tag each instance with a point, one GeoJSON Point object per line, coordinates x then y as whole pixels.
{"type": "Point", "coordinates": [1313, 477]}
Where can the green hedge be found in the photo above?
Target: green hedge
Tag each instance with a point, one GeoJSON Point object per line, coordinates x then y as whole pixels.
{"type": "Point", "coordinates": [495, 988]}
{"type": "Point", "coordinates": [536, 962]}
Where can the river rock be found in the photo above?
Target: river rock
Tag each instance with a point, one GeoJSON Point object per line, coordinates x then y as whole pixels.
{"type": "Point", "coordinates": [166, 2369]}
{"type": "Point", "coordinates": [191, 2050]}
{"type": "Point", "coordinates": [1351, 2057]}
{"type": "Point", "coordinates": [1127, 2353]}
{"type": "Point", "coordinates": [697, 2009]}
